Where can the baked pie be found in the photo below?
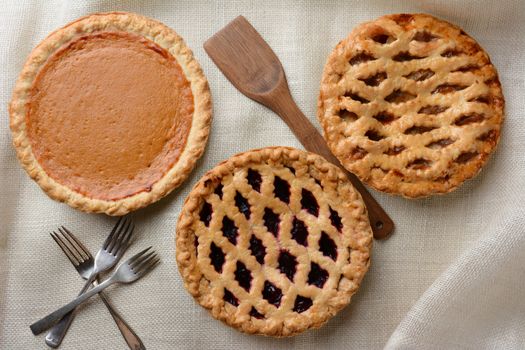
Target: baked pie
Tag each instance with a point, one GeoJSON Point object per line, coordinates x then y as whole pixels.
{"type": "Point", "coordinates": [273, 241]}
{"type": "Point", "coordinates": [411, 104]}
{"type": "Point", "coordinates": [110, 112]}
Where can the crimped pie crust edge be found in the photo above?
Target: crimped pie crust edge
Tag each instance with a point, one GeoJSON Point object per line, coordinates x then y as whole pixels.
{"type": "Point", "coordinates": [295, 323]}
{"type": "Point", "coordinates": [197, 137]}
{"type": "Point", "coordinates": [422, 187]}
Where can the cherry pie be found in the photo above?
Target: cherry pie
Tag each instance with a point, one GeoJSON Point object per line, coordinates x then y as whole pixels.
{"type": "Point", "coordinates": [273, 241]}
{"type": "Point", "coordinates": [411, 104]}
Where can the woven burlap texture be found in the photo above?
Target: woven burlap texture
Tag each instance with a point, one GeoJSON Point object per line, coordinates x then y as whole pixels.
{"type": "Point", "coordinates": [450, 277]}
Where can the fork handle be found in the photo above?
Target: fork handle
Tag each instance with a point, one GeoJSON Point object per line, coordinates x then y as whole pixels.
{"type": "Point", "coordinates": [129, 335]}
{"type": "Point", "coordinates": [48, 321]}
{"type": "Point", "coordinates": [58, 332]}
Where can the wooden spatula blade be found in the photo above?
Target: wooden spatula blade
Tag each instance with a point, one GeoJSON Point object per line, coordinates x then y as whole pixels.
{"type": "Point", "coordinates": [245, 58]}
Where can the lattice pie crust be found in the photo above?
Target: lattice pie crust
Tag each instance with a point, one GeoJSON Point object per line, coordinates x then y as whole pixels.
{"type": "Point", "coordinates": [411, 104]}
{"type": "Point", "coordinates": [273, 241]}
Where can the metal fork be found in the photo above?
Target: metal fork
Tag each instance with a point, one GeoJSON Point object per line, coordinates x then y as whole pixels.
{"type": "Point", "coordinates": [83, 262]}
{"type": "Point", "coordinates": [112, 250]}
{"type": "Point", "coordinates": [134, 268]}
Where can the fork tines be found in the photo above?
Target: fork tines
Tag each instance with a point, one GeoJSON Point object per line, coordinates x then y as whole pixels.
{"type": "Point", "coordinates": [141, 262]}
{"type": "Point", "coordinates": [120, 237]}
{"type": "Point", "coordinates": [74, 249]}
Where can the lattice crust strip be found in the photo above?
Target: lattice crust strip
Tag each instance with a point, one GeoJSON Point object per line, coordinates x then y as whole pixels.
{"type": "Point", "coordinates": [411, 104]}
{"type": "Point", "coordinates": [273, 241]}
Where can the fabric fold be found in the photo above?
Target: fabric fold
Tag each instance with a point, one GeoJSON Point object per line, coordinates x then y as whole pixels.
{"type": "Point", "coordinates": [477, 303]}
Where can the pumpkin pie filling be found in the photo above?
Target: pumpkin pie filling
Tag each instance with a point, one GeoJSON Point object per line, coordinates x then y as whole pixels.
{"type": "Point", "coordinates": [109, 114]}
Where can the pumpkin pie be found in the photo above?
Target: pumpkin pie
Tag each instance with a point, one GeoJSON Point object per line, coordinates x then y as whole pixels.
{"type": "Point", "coordinates": [110, 113]}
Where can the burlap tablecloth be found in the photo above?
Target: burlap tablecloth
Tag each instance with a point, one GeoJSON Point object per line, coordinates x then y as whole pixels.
{"type": "Point", "coordinates": [452, 276]}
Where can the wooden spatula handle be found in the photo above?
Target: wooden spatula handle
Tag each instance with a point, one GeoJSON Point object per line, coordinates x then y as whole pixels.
{"type": "Point", "coordinates": [253, 68]}
{"type": "Point", "coordinates": [283, 104]}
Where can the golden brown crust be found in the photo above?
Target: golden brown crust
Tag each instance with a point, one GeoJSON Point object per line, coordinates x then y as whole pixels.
{"type": "Point", "coordinates": [301, 170]}
{"type": "Point", "coordinates": [162, 36]}
{"type": "Point", "coordinates": [411, 104]}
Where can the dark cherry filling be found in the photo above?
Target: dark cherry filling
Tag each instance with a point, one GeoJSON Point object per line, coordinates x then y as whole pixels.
{"type": "Point", "coordinates": [243, 276]}
{"type": "Point", "coordinates": [218, 191]}
{"type": "Point", "coordinates": [242, 204]}
{"type": "Point", "coordinates": [229, 230]}
{"type": "Point", "coordinates": [287, 264]}
{"type": "Point", "coordinates": [196, 244]}
{"type": "Point", "coordinates": [256, 314]}
{"type": "Point", "coordinates": [272, 294]}
{"type": "Point", "coordinates": [281, 189]}
{"type": "Point", "coordinates": [230, 298]}
{"type": "Point", "coordinates": [216, 257]}
{"type": "Point", "coordinates": [317, 276]}
{"type": "Point", "coordinates": [336, 220]}
{"type": "Point", "coordinates": [257, 249]}
{"type": "Point", "coordinates": [205, 214]}
{"type": "Point", "coordinates": [374, 135]}
{"type": "Point", "coordinates": [309, 202]}
{"type": "Point", "coordinates": [381, 38]}
{"type": "Point", "coordinates": [290, 168]}
{"type": "Point", "coordinates": [345, 114]}
{"type": "Point", "coordinates": [271, 221]}
{"type": "Point", "coordinates": [299, 232]}
{"type": "Point", "coordinates": [302, 304]}
{"type": "Point", "coordinates": [254, 179]}
{"type": "Point", "coordinates": [327, 246]}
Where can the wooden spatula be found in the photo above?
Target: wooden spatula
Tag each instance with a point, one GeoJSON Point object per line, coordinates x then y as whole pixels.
{"type": "Point", "coordinates": [254, 69]}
